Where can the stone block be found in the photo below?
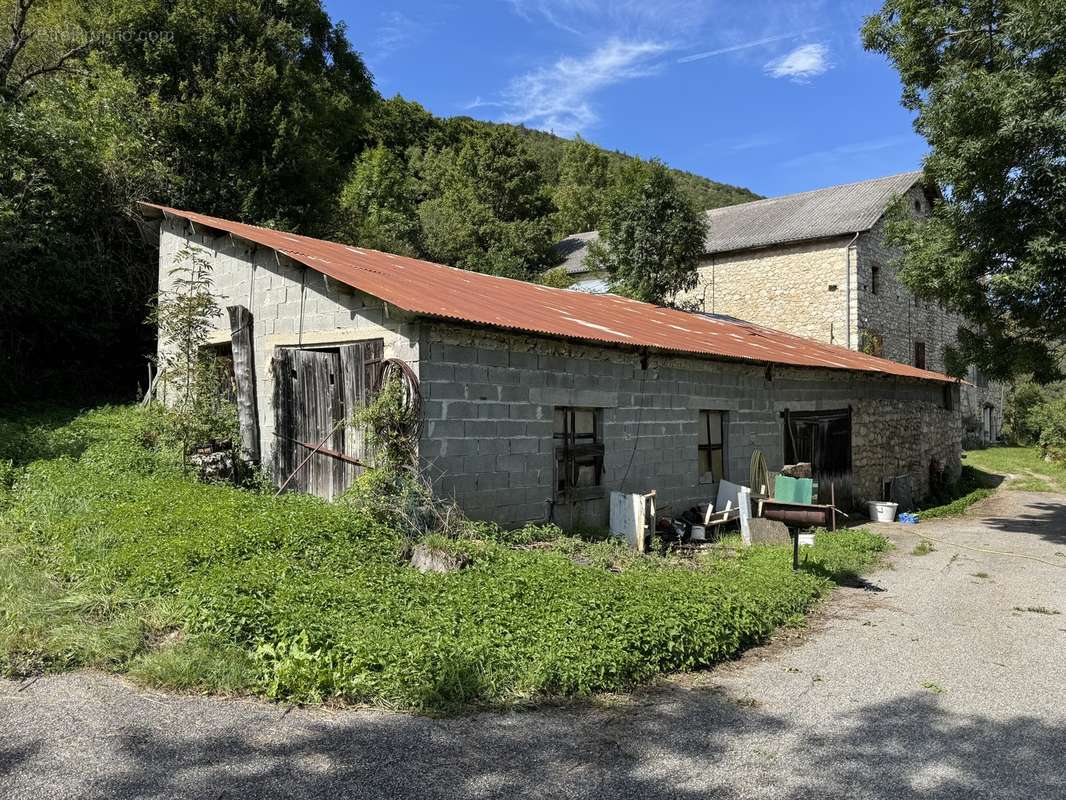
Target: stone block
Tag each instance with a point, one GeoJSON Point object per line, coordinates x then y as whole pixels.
{"type": "Point", "coordinates": [768, 531]}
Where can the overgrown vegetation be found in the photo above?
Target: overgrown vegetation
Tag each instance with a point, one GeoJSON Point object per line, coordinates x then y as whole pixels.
{"type": "Point", "coordinates": [1036, 415]}
{"type": "Point", "coordinates": [972, 486]}
{"type": "Point", "coordinates": [112, 557]}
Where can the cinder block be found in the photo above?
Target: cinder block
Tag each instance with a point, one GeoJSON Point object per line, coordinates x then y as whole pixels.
{"type": "Point", "coordinates": [551, 396]}
{"type": "Point", "coordinates": [492, 358]}
{"type": "Point", "coordinates": [522, 360]}
{"type": "Point", "coordinates": [524, 445]}
{"type": "Point", "coordinates": [479, 428]}
{"type": "Point", "coordinates": [482, 391]}
{"type": "Point", "coordinates": [459, 409]}
{"type": "Point", "coordinates": [493, 411]}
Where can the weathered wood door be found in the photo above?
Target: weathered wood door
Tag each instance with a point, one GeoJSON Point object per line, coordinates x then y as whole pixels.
{"type": "Point", "coordinates": [316, 393]}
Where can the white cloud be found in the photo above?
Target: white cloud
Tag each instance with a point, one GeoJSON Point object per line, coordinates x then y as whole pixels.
{"type": "Point", "coordinates": [851, 150]}
{"type": "Point", "coordinates": [733, 48]}
{"type": "Point", "coordinates": [395, 32]}
{"type": "Point", "coordinates": [801, 64]}
{"type": "Point", "coordinates": [559, 97]}
{"type": "Point", "coordinates": [589, 17]}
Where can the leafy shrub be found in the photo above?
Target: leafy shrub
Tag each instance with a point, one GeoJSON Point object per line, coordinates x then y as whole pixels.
{"type": "Point", "coordinates": [1050, 417]}
{"type": "Point", "coordinates": [1019, 425]}
{"type": "Point", "coordinates": [557, 278]}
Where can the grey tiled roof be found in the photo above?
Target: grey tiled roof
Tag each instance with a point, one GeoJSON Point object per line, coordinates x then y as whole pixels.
{"type": "Point", "coordinates": [573, 250]}
{"type": "Point", "coordinates": [818, 214]}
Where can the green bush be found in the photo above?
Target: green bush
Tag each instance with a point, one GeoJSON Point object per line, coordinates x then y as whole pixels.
{"type": "Point", "coordinates": [1051, 419]}
{"type": "Point", "coordinates": [308, 601]}
{"type": "Point", "coordinates": [1020, 427]}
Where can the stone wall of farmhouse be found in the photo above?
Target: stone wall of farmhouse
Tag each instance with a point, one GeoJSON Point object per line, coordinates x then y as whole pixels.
{"type": "Point", "coordinates": [893, 313]}
{"type": "Point", "coordinates": [899, 320]}
{"type": "Point", "coordinates": [895, 437]}
{"type": "Point", "coordinates": [800, 288]}
{"type": "Point", "coordinates": [490, 399]}
{"type": "Point", "coordinates": [291, 306]}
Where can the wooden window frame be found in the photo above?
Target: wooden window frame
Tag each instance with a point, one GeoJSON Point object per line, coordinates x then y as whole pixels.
{"type": "Point", "coordinates": [573, 449]}
{"type": "Point", "coordinates": [920, 355]}
{"type": "Point", "coordinates": [703, 420]}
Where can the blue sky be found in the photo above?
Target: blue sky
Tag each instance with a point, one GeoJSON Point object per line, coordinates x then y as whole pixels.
{"type": "Point", "coordinates": [776, 96]}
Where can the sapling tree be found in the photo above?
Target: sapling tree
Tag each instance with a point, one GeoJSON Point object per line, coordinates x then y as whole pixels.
{"type": "Point", "coordinates": [198, 411]}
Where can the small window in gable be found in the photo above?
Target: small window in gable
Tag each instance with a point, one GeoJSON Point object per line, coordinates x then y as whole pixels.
{"type": "Point", "coordinates": [875, 279]}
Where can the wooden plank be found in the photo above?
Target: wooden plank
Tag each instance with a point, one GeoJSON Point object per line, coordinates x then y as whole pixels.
{"type": "Point", "coordinates": [240, 322]}
{"type": "Point", "coordinates": [353, 395]}
{"type": "Point", "coordinates": [283, 366]}
{"type": "Point", "coordinates": [337, 471]}
{"type": "Point", "coordinates": [373, 356]}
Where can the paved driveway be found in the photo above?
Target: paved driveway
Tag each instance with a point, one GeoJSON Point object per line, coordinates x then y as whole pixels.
{"type": "Point", "coordinates": [935, 687]}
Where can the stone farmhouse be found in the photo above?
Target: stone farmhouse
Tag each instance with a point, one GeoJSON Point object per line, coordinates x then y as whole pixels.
{"type": "Point", "coordinates": [816, 264]}
{"type": "Point", "coordinates": [537, 402]}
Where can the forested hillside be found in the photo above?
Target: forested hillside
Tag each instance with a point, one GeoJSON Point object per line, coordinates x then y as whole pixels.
{"type": "Point", "coordinates": [263, 113]}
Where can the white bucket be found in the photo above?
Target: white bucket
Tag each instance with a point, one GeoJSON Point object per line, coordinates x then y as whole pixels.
{"type": "Point", "coordinates": [879, 511]}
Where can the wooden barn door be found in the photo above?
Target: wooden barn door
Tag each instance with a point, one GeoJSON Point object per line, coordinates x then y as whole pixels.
{"type": "Point", "coordinates": [308, 410]}
{"type": "Point", "coordinates": [316, 392]}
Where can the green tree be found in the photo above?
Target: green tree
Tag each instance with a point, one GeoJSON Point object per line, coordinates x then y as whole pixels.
{"type": "Point", "coordinates": [377, 207]}
{"type": "Point", "coordinates": [261, 106]}
{"type": "Point", "coordinates": [401, 124]}
{"type": "Point", "coordinates": [488, 210]}
{"type": "Point", "coordinates": [584, 177]}
{"type": "Point", "coordinates": [246, 110]}
{"type": "Point", "coordinates": [651, 238]}
{"type": "Point", "coordinates": [557, 278]}
{"type": "Point", "coordinates": [75, 152]}
{"type": "Point", "coordinates": [987, 81]}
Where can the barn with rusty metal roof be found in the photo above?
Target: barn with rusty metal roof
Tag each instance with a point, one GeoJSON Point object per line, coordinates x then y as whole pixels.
{"type": "Point", "coordinates": [537, 402]}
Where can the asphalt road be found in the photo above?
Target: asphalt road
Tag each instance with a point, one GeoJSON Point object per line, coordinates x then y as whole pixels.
{"type": "Point", "coordinates": [936, 687]}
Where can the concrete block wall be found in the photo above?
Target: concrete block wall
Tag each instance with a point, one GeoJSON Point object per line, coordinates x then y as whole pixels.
{"type": "Point", "coordinates": [490, 399]}
{"type": "Point", "coordinates": [290, 305]}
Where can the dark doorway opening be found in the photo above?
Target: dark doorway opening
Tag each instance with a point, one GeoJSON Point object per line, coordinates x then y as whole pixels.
{"type": "Point", "coordinates": [822, 438]}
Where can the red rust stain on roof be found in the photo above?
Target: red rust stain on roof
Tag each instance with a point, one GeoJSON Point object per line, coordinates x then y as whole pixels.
{"type": "Point", "coordinates": [435, 290]}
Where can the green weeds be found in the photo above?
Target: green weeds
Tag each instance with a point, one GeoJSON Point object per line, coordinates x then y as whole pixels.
{"type": "Point", "coordinates": [923, 548]}
{"type": "Point", "coordinates": [113, 558]}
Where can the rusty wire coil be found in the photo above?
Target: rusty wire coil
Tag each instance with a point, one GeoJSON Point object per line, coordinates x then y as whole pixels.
{"type": "Point", "coordinates": [397, 369]}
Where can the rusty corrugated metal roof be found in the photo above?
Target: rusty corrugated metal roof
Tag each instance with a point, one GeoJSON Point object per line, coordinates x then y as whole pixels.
{"type": "Point", "coordinates": [435, 290]}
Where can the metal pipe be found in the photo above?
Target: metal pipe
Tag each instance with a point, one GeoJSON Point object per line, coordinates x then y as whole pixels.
{"type": "Point", "coordinates": [847, 287]}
